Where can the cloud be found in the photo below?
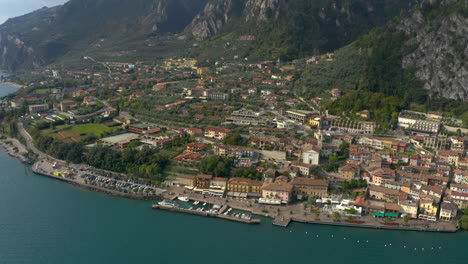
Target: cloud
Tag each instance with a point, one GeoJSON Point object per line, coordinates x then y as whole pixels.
{"type": "Point", "coordinates": [13, 8]}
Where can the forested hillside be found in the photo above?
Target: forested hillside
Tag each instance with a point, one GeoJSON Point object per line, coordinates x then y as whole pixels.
{"type": "Point", "coordinates": [419, 63]}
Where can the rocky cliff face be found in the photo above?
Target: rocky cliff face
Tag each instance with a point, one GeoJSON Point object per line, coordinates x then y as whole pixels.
{"type": "Point", "coordinates": [214, 16]}
{"type": "Point", "coordinates": [290, 29]}
{"type": "Point", "coordinates": [49, 33]}
{"type": "Point", "coordinates": [441, 49]}
{"type": "Point", "coordinates": [260, 11]}
{"type": "Point", "coordinates": [15, 53]}
{"type": "Point", "coordinates": [219, 13]}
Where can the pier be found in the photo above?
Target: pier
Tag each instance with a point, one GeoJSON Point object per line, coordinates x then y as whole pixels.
{"type": "Point", "coordinates": [203, 213]}
{"type": "Point", "coordinates": [281, 221]}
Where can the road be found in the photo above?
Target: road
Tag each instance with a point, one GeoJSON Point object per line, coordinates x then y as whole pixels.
{"type": "Point", "coordinates": [81, 117]}
{"type": "Point", "coordinates": [30, 144]}
{"type": "Point", "coordinates": [102, 63]}
{"type": "Point", "coordinates": [45, 164]}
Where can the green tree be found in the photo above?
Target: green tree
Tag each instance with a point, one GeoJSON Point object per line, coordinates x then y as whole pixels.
{"type": "Point", "coordinates": [406, 218]}
{"type": "Point", "coordinates": [235, 139]}
{"type": "Point", "coordinates": [336, 216]}
{"type": "Point", "coordinates": [464, 220]}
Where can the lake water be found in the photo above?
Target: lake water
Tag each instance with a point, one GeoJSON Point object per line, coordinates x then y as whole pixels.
{"type": "Point", "coordinates": [6, 88]}
{"type": "Point", "coordinates": [43, 220]}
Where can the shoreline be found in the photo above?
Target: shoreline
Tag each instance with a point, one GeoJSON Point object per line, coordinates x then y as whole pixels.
{"type": "Point", "coordinates": [95, 188]}
{"type": "Point", "coordinates": [368, 221]}
{"type": "Point", "coordinates": [9, 149]}
{"type": "Point", "coordinates": [12, 84]}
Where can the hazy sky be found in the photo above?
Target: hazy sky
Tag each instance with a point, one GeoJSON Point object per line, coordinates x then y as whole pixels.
{"type": "Point", "coordinates": [13, 8]}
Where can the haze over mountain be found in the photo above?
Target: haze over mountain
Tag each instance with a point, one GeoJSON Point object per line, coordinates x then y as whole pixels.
{"type": "Point", "coordinates": [14, 8]}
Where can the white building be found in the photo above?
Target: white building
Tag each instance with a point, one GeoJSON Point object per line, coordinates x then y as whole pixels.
{"type": "Point", "coordinates": [406, 122]}
{"type": "Point", "coordinates": [425, 126]}
{"type": "Point", "coordinates": [34, 109]}
{"type": "Point", "coordinates": [288, 124]}
{"type": "Point", "coordinates": [311, 157]}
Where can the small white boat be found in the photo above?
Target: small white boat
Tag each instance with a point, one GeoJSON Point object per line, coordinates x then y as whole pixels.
{"type": "Point", "coordinates": [196, 202]}
{"type": "Point", "coordinates": [204, 204]}
{"type": "Point", "coordinates": [166, 204]}
{"type": "Point", "coordinates": [183, 199]}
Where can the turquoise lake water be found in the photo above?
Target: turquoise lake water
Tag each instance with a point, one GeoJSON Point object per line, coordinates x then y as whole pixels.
{"type": "Point", "coordinates": [6, 88]}
{"type": "Point", "coordinates": [43, 220]}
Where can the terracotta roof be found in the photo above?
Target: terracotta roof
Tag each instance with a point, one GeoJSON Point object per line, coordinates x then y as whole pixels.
{"type": "Point", "coordinates": [448, 206]}
{"type": "Point", "coordinates": [220, 179]}
{"type": "Point", "coordinates": [309, 181]}
{"type": "Point", "coordinates": [384, 190]}
{"type": "Point", "coordinates": [204, 176]}
{"type": "Point", "coordinates": [280, 187]}
{"type": "Point", "coordinates": [392, 206]}
{"type": "Point", "coordinates": [219, 129]}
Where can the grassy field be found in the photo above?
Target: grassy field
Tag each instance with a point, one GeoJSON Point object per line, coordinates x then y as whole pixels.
{"type": "Point", "coordinates": [43, 91]}
{"type": "Point", "coordinates": [79, 132]}
{"type": "Point", "coordinates": [95, 129]}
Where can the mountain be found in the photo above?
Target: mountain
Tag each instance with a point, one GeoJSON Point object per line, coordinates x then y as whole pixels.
{"type": "Point", "coordinates": [417, 57]}
{"type": "Point", "coordinates": [439, 33]}
{"type": "Point", "coordinates": [285, 28]}
{"type": "Point", "coordinates": [290, 29]}
{"type": "Point", "coordinates": [42, 36]}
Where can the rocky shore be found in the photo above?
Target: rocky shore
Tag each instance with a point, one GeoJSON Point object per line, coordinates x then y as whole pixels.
{"type": "Point", "coordinates": [15, 149]}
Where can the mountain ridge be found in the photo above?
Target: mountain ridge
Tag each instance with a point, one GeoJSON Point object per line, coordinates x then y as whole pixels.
{"type": "Point", "coordinates": [40, 37]}
{"type": "Point", "coordinates": [417, 57]}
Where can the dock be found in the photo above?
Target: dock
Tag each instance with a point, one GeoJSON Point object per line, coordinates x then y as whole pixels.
{"type": "Point", "coordinates": [172, 198]}
{"type": "Point", "coordinates": [203, 213]}
{"type": "Point", "coordinates": [223, 209]}
{"type": "Point", "coordinates": [281, 221]}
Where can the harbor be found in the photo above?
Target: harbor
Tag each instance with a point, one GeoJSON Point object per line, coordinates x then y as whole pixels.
{"type": "Point", "coordinates": [103, 218]}
{"type": "Point", "coordinates": [205, 209]}
{"type": "Point", "coordinates": [89, 180]}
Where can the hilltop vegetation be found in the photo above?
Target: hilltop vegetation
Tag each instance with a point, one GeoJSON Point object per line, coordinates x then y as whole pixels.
{"type": "Point", "coordinates": [81, 26]}
{"type": "Point", "coordinates": [375, 64]}
{"type": "Point", "coordinates": [290, 29]}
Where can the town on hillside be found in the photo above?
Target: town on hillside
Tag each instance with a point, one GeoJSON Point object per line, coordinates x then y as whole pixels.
{"type": "Point", "coordinates": [241, 132]}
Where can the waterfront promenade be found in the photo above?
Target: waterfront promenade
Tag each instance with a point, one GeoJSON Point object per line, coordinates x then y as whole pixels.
{"type": "Point", "coordinates": [295, 212]}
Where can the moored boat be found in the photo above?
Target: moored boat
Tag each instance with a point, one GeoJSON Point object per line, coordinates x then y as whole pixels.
{"type": "Point", "coordinates": [183, 199]}
{"type": "Point", "coordinates": [166, 204]}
